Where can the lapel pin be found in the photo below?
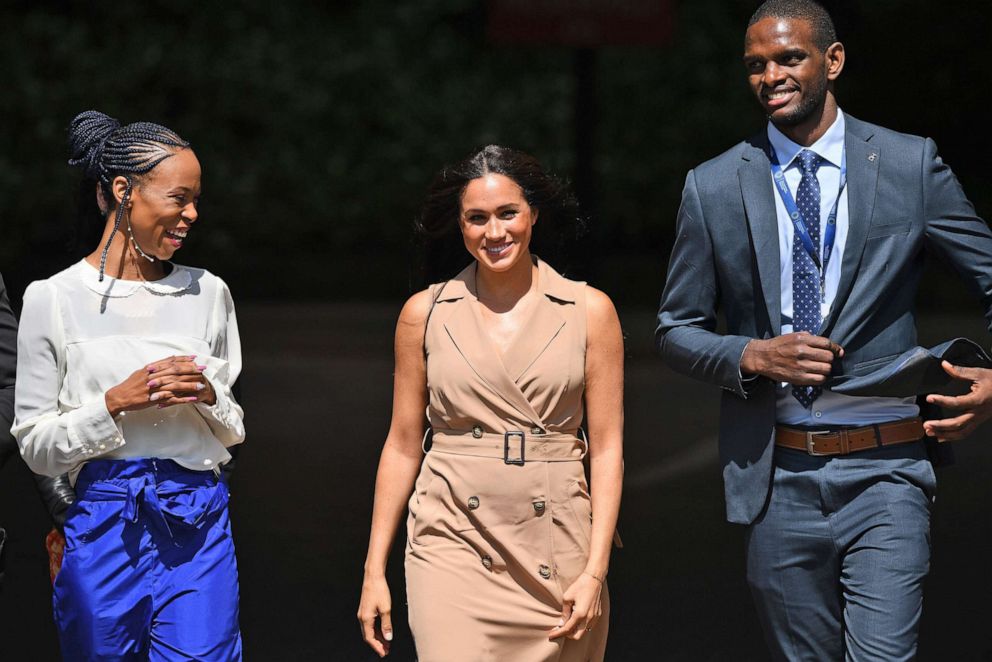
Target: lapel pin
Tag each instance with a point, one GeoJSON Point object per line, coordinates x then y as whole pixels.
{"type": "Point", "coordinates": [872, 156]}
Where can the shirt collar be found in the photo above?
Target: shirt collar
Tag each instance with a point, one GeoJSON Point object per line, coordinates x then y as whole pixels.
{"type": "Point", "coordinates": [178, 280]}
{"type": "Point", "coordinates": [830, 146]}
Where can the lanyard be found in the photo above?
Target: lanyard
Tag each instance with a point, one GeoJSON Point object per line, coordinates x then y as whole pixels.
{"type": "Point", "coordinates": [829, 234]}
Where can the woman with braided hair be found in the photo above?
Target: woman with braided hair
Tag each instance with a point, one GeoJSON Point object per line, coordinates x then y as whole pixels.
{"type": "Point", "coordinates": [125, 367]}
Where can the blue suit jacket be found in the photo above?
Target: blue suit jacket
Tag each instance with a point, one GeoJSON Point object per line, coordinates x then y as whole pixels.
{"type": "Point", "coordinates": [901, 199]}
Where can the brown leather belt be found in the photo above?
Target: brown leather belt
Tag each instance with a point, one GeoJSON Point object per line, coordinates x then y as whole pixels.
{"type": "Point", "coordinates": [849, 440]}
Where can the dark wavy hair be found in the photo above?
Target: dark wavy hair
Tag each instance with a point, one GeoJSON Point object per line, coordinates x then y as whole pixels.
{"type": "Point", "coordinates": [442, 252]}
{"type": "Point", "coordinates": [104, 149]}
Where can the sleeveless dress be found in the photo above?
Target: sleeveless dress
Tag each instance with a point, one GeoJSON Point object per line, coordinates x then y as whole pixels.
{"type": "Point", "coordinates": [500, 517]}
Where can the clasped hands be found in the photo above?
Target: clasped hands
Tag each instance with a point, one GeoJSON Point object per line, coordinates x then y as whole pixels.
{"type": "Point", "coordinates": [803, 359]}
{"type": "Point", "coordinates": [175, 380]}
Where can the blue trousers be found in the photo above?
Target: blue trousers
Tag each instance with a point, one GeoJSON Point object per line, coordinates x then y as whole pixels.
{"type": "Point", "coordinates": [149, 571]}
{"type": "Point", "coordinates": [836, 562]}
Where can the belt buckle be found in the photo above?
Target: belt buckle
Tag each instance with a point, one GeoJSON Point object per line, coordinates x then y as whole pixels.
{"type": "Point", "coordinates": [506, 447]}
{"type": "Point", "coordinates": [810, 443]}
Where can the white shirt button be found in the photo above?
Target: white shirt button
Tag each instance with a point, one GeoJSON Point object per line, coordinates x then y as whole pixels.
{"type": "Point", "coordinates": [818, 414]}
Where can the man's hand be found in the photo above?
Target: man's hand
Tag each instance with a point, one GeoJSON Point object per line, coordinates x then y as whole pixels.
{"type": "Point", "coordinates": [800, 358]}
{"type": "Point", "coordinates": [975, 406]}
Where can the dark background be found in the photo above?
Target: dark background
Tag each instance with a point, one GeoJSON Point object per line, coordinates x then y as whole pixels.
{"type": "Point", "coordinates": [319, 126]}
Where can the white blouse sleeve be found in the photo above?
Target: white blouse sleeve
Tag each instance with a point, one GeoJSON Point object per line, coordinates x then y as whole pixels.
{"type": "Point", "coordinates": [225, 417]}
{"type": "Point", "coordinates": [53, 441]}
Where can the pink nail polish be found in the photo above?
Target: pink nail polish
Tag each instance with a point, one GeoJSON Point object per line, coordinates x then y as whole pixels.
{"type": "Point", "coordinates": [153, 383]}
{"type": "Point", "coordinates": [192, 399]}
{"type": "Point", "coordinates": [161, 406]}
{"type": "Point", "coordinates": [150, 368]}
{"type": "Point", "coordinates": [201, 368]}
{"type": "Point", "coordinates": [154, 396]}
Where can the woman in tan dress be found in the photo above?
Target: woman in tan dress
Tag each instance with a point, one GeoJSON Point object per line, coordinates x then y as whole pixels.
{"type": "Point", "coordinates": [507, 552]}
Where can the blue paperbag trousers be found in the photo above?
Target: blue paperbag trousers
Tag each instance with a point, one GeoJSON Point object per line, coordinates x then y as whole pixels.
{"type": "Point", "coordinates": [149, 571]}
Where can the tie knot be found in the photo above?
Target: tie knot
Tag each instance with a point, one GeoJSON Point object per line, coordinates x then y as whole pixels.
{"type": "Point", "coordinates": [809, 161]}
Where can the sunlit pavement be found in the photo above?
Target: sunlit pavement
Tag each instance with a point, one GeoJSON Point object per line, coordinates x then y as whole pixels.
{"type": "Point", "coordinates": [317, 389]}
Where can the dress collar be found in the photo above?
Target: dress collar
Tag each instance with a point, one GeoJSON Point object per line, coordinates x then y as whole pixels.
{"type": "Point", "coordinates": [549, 282]}
{"type": "Point", "coordinates": [178, 280]}
{"type": "Point", "coordinates": [830, 146]}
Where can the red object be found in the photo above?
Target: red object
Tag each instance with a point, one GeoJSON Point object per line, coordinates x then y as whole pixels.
{"type": "Point", "coordinates": [55, 544]}
{"type": "Point", "coordinates": [581, 23]}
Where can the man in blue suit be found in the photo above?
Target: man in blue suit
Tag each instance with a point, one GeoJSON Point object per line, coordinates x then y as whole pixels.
{"type": "Point", "coordinates": [810, 237]}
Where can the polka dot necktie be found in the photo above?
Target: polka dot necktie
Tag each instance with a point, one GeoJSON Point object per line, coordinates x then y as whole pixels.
{"type": "Point", "coordinates": [805, 276]}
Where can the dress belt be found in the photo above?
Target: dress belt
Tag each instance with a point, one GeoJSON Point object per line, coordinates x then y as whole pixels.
{"type": "Point", "coordinates": [849, 440]}
{"type": "Point", "coordinates": [513, 446]}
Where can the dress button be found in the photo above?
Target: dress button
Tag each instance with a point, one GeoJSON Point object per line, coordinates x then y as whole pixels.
{"type": "Point", "coordinates": [473, 502]}
{"type": "Point", "coordinates": [487, 562]}
{"type": "Point", "coordinates": [577, 452]}
{"type": "Point", "coordinates": [544, 571]}
{"type": "Point", "coordinates": [538, 507]}
{"type": "Point", "coordinates": [477, 431]}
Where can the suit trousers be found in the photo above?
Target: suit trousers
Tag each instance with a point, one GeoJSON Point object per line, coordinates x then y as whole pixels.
{"type": "Point", "coordinates": [149, 571]}
{"type": "Point", "coordinates": [836, 561]}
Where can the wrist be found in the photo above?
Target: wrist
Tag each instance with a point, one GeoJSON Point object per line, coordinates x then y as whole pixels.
{"type": "Point", "coordinates": [749, 359]}
{"type": "Point", "coordinates": [599, 577]}
{"type": "Point", "coordinates": [374, 572]}
{"type": "Point", "coordinates": [597, 570]}
{"type": "Point", "coordinates": [113, 407]}
{"type": "Point", "coordinates": [209, 396]}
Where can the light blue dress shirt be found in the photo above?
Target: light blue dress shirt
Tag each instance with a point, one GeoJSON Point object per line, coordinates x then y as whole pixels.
{"type": "Point", "coordinates": [830, 408]}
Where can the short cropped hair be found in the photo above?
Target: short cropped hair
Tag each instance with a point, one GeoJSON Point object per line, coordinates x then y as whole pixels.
{"type": "Point", "coordinates": [812, 12]}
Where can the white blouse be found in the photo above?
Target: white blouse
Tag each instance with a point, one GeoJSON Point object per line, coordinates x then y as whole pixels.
{"type": "Point", "coordinates": [79, 337]}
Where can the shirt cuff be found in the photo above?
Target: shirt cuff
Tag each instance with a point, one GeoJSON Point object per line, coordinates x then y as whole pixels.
{"type": "Point", "coordinates": [93, 430]}
{"type": "Point", "coordinates": [744, 383]}
{"type": "Point", "coordinates": [221, 411]}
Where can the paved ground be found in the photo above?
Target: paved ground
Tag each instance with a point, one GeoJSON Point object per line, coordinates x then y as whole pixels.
{"type": "Point", "coordinates": [317, 393]}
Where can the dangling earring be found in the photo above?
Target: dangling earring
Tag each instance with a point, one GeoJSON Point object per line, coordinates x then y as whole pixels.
{"type": "Point", "coordinates": [134, 243]}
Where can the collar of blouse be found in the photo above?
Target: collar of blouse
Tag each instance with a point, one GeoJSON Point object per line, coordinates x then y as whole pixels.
{"type": "Point", "coordinates": [178, 280]}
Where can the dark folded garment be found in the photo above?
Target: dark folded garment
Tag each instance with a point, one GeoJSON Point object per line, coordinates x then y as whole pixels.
{"type": "Point", "coordinates": [917, 372]}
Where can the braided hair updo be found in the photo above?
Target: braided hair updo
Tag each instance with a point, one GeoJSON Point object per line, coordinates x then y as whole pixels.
{"type": "Point", "coordinates": [560, 224]}
{"type": "Point", "coordinates": [105, 149]}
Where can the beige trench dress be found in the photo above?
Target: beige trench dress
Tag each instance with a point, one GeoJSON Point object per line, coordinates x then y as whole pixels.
{"type": "Point", "coordinates": [494, 540]}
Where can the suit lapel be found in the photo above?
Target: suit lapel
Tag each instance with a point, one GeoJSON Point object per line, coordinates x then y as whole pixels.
{"type": "Point", "coordinates": [863, 159]}
{"type": "Point", "coordinates": [758, 193]}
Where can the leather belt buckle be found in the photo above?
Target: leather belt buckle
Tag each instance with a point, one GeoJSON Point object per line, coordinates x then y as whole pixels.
{"type": "Point", "coordinates": [811, 444]}
{"type": "Point", "coordinates": [506, 447]}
